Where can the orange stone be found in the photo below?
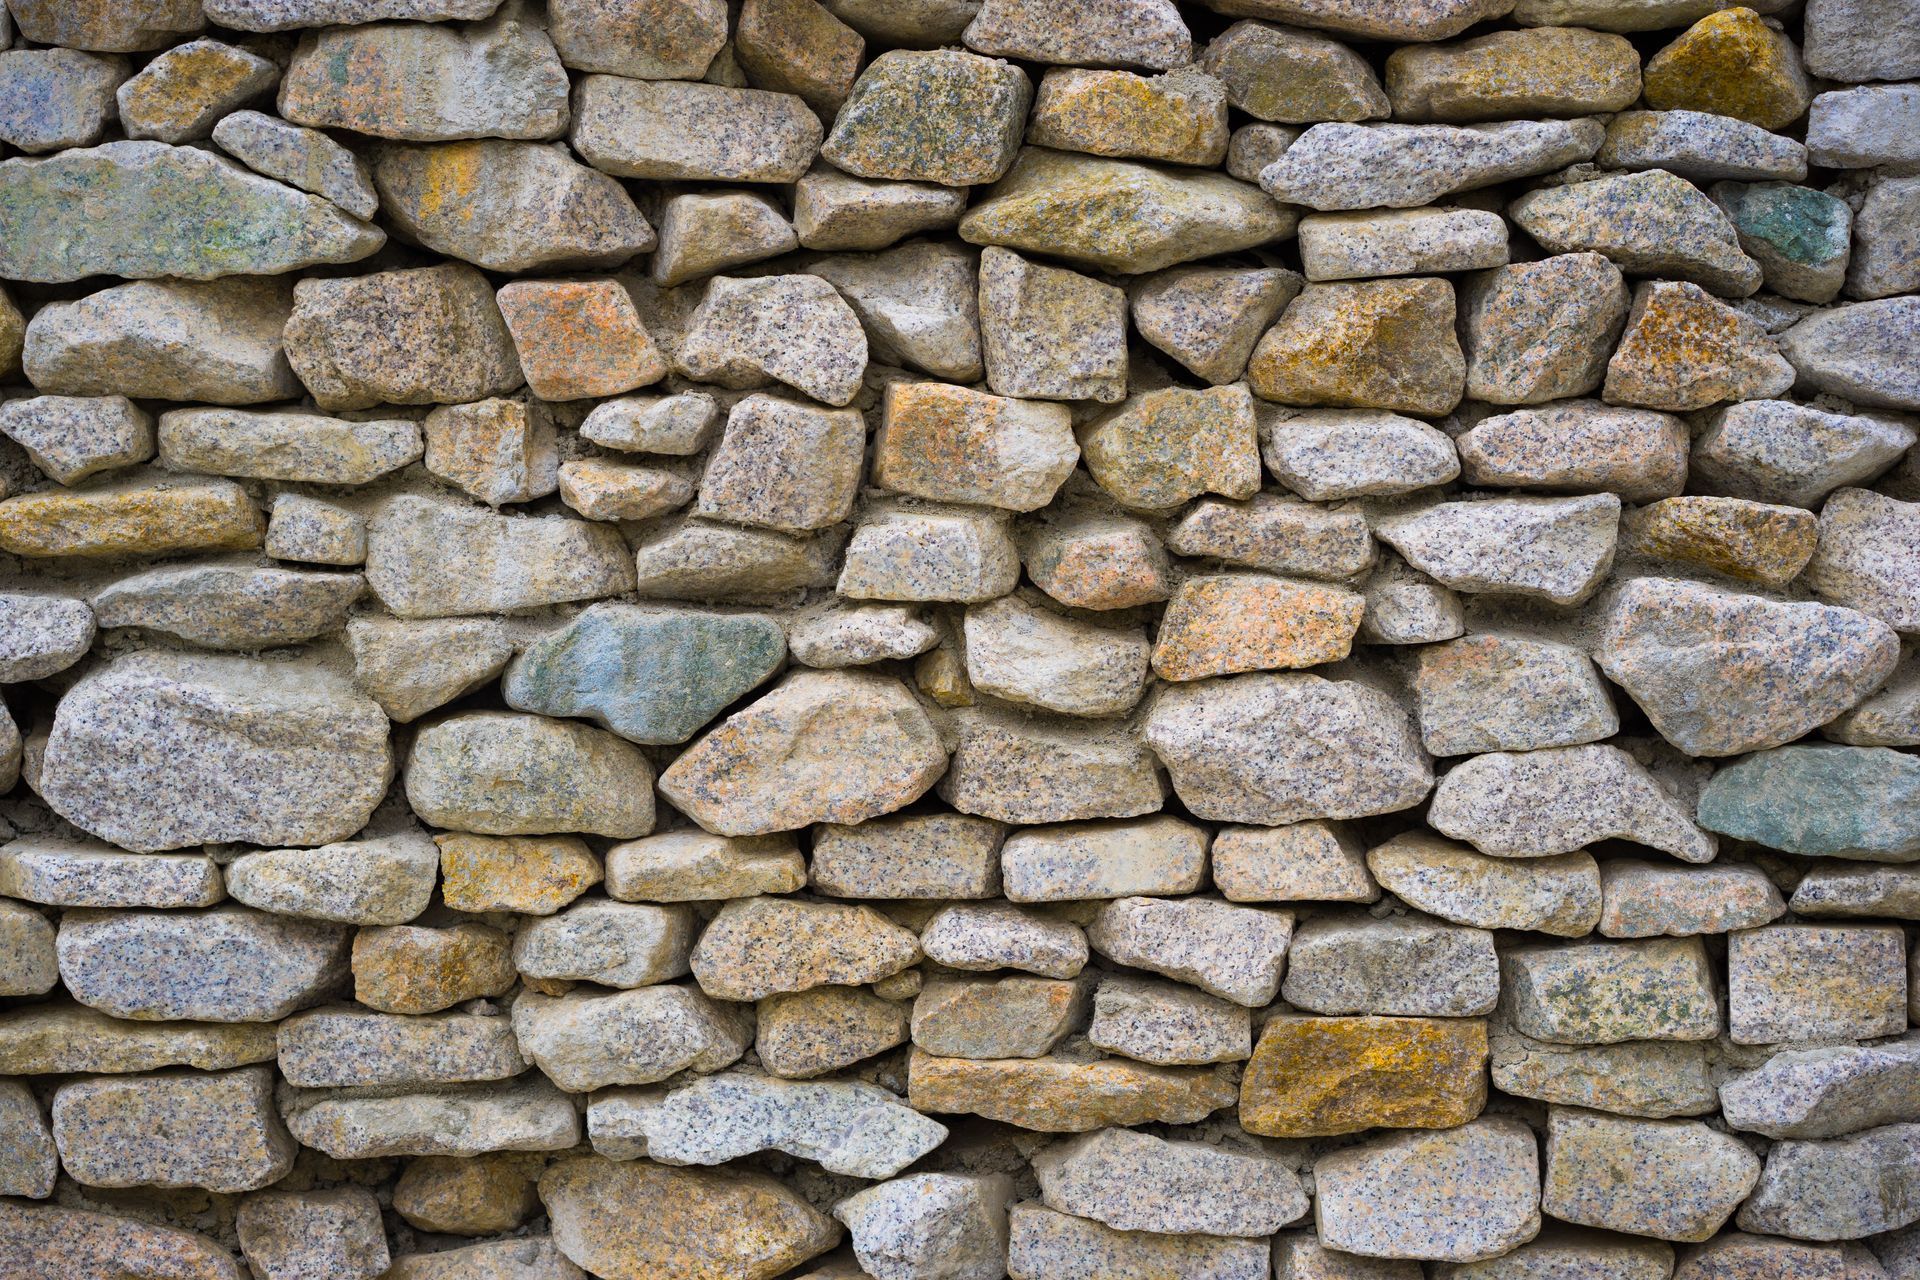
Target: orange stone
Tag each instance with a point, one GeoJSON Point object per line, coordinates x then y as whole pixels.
{"type": "Point", "coordinates": [1250, 622]}
{"type": "Point", "coordinates": [406, 968]}
{"type": "Point", "coordinates": [1753, 541]}
{"type": "Point", "coordinates": [1731, 63]}
{"type": "Point", "coordinates": [1364, 344]}
{"type": "Point", "coordinates": [1318, 1077]}
{"type": "Point", "coordinates": [535, 875]}
{"type": "Point", "coordinates": [579, 338]}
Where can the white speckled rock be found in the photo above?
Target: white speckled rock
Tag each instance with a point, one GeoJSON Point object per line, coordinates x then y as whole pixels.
{"type": "Point", "coordinates": [1406, 966]}
{"type": "Point", "coordinates": [931, 1226]}
{"type": "Point", "coordinates": [1456, 1195]}
{"type": "Point", "coordinates": [1682, 1180]}
{"type": "Point", "coordinates": [1132, 1181]}
{"type": "Point", "coordinates": [584, 1041]}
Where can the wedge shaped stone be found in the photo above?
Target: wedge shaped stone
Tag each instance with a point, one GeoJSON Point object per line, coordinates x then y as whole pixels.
{"type": "Point", "coordinates": [1401, 166]}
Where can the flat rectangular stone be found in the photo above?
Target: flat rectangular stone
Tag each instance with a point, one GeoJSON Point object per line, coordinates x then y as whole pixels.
{"type": "Point", "coordinates": [1606, 992]}
{"type": "Point", "coordinates": [1816, 981]}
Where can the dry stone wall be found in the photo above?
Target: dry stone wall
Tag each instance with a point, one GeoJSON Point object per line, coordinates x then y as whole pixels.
{"type": "Point", "coordinates": [957, 639]}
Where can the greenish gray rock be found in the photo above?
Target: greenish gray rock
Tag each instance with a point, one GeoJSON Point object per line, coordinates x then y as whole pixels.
{"type": "Point", "coordinates": [126, 195]}
{"type": "Point", "coordinates": [52, 99]}
{"type": "Point", "coordinates": [179, 1129]}
{"type": "Point", "coordinates": [1799, 236]}
{"type": "Point", "coordinates": [303, 158]}
{"type": "Point", "coordinates": [1826, 1092]}
{"type": "Point", "coordinates": [1839, 1189]}
{"type": "Point", "coordinates": [1652, 1078]}
{"type": "Point", "coordinates": [281, 445]}
{"type": "Point", "coordinates": [509, 206]}
{"type": "Point", "coordinates": [347, 1046]}
{"type": "Point", "coordinates": [225, 964]}
{"type": "Point", "coordinates": [383, 880]}
{"type": "Point", "coordinates": [940, 116]}
{"type": "Point", "coordinates": [230, 605]}
{"type": "Point", "coordinates": [498, 773]}
{"type": "Point", "coordinates": [1607, 992]}
{"type": "Point", "coordinates": [1406, 966]}
{"type": "Point", "coordinates": [1455, 1195]}
{"type": "Point", "coordinates": [73, 437]}
{"type": "Point", "coordinates": [1671, 1179]}
{"type": "Point", "coordinates": [87, 873]}
{"type": "Point", "coordinates": [452, 1120]}
{"type": "Point", "coordinates": [1401, 166]}
{"type": "Point", "coordinates": [217, 341]}
{"type": "Point", "coordinates": [433, 558]}
{"type": "Point", "coordinates": [1120, 216]}
{"type": "Point", "coordinates": [1822, 800]}
{"type": "Point", "coordinates": [158, 751]}
{"type": "Point", "coordinates": [676, 131]}
{"type": "Point", "coordinates": [650, 675]}
{"type": "Point", "coordinates": [847, 1127]}
{"type": "Point", "coordinates": [587, 1040]}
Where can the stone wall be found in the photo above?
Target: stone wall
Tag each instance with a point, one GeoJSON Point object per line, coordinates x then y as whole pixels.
{"type": "Point", "coordinates": [946, 639]}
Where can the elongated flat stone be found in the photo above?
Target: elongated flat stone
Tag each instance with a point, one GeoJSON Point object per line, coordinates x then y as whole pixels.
{"type": "Point", "coordinates": [285, 446]}
{"type": "Point", "coordinates": [1652, 1078]}
{"type": "Point", "coordinates": [584, 1041]}
{"type": "Point", "coordinates": [1043, 1245]}
{"type": "Point", "coordinates": [43, 1240]}
{"type": "Point", "coordinates": [1559, 895]}
{"type": "Point", "coordinates": [128, 194]}
{"type": "Point", "coordinates": [1066, 1095]}
{"type": "Point", "coordinates": [76, 873]}
{"type": "Point", "coordinates": [1561, 799]}
{"type": "Point", "coordinates": [1607, 992]}
{"type": "Point", "coordinates": [1397, 966]}
{"type": "Point", "coordinates": [62, 1038]}
{"type": "Point", "coordinates": [1648, 899]}
{"type": "Point", "coordinates": [181, 1129]}
{"type": "Point", "coordinates": [230, 606]}
{"type": "Point", "coordinates": [1822, 800]}
{"type": "Point", "coordinates": [1234, 952]}
{"type": "Point", "coordinates": [757, 947]}
{"type": "Point", "coordinates": [432, 558]}
{"type": "Point", "coordinates": [1132, 1181]}
{"type": "Point", "coordinates": [847, 1127]}
{"type": "Point", "coordinates": [1558, 549]}
{"type": "Point", "coordinates": [346, 1046]}
{"type": "Point", "coordinates": [1826, 1092]}
{"type": "Point", "coordinates": [1316, 1077]}
{"type": "Point", "coordinates": [665, 130]}
{"type": "Point", "coordinates": [497, 773]}
{"type": "Point", "coordinates": [453, 1120]}
{"type": "Point", "coordinates": [1400, 166]}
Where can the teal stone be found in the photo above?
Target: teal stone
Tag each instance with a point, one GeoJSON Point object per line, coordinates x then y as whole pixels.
{"type": "Point", "coordinates": [1803, 225]}
{"type": "Point", "coordinates": [1821, 802]}
{"type": "Point", "coordinates": [650, 675]}
{"type": "Point", "coordinates": [145, 210]}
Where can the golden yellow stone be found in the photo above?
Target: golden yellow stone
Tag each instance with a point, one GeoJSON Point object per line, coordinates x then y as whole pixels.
{"type": "Point", "coordinates": [1250, 622]}
{"type": "Point", "coordinates": [1685, 349]}
{"type": "Point", "coordinates": [1066, 1095]}
{"type": "Point", "coordinates": [1731, 64]}
{"type": "Point", "coordinates": [1371, 344]}
{"type": "Point", "coordinates": [414, 969]}
{"type": "Point", "coordinates": [1754, 541]}
{"type": "Point", "coordinates": [1317, 1077]}
{"type": "Point", "coordinates": [535, 875]}
{"type": "Point", "coordinates": [1546, 71]}
{"type": "Point", "coordinates": [132, 517]}
{"type": "Point", "coordinates": [1180, 117]}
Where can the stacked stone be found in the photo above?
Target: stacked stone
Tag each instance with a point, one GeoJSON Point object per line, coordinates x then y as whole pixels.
{"type": "Point", "coordinates": [956, 639]}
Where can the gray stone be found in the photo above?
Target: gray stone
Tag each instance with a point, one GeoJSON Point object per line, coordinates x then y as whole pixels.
{"type": "Point", "coordinates": [692, 132]}
{"type": "Point", "coordinates": [1709, 667]}
{"type": "Point", "coordinates": [303, 158]}
{"type": "Point", "coordinates": [1826, 1092]}
{"type": "Point", "coordinates": [794, 329]}
{"type": "Point", "coordinates": [1258, 748]}
{"type": "Point", "coordinates": [432, 558]}
{"type": "Point", "coordinates": [1404, 606]}
{"type": "Point", "coordinates": [454, 1120]}
{"type": "Point", "coordinates": [1493, 692]}
{"type": "Point", "coordinates": [1886, 257]}
{"type": "Point", "coordinates": [1456, 1195]}
{"type": "Point", "coordinates": [29, 1162]}
{"type": "Point", "coordinates": [128, 195]}
{"type": "Point", "coordinates": [1132, 1181]}
{"type": "Point", "coordinates": [410, 668]}
{"type": "Point", "coordinates": [918, 551]}
{"type": "Point", "coordinates": [230, 605]}
{"type": "Point", "coordinates": [1865, 559]}
{"type": "Point", "coordinates": [1168, 1024]}
{"type": "Point", "coordinates": [1855, 40]}
{"type": "Point", "coordinates": [1796, 982]}
{"type": "Point", "coordinates": [226, 964]}
{"type": "Point", "coordinates": [832, 635]}
{"type": "Point", "coordinates": [1400, 166]}
{"type": "Point", "coordinates": [587, 1040]}
{"type": "Point", "coordinates": [41, 635]}
{"type": "Point", "coordinates": [279, 15]}
{"type": "Point", "coordinates": [1863, 352]}
{"type": "Point", "coordinates": [997, 935]}
{"type": "Point", "coordinates": [834, 210]}
{"type": "Point", "coordinates": [345, 1045]}
{"type": "Point", "coordinates": [1163, 448]}
{"type": "Point", "coordinates": [1648, 899]}
{"type": "Point", "coordinates": [809, 1033]}
{"type": "Point", "coordinates": [497, 773]}
{"type": "Point", "coordinates": [52, 99]}
{"type": "Point", "coordinates": [1540, 331]}
{"type": "Point", "coordinates": [918, 304]}
{"type": "Point", "coordinates": [1571, 1251]}
{"type": "Point", "coordinates": [306, 1235]}
{"type": "Point", "coordinates": [1049, 333]}
{"type": "Point", "coordinates": [757, 947]}
{"type": "Point", "coordinates": [1558, 549]}
{"type": "Point", "coordinates": [1400, 242]}
{"type": "Point", "coordinates": [968, 1016]}
{"type": "Point", "coordinates": [784, 465]}
{"type": "Point", "coordinates": [1209, 318]}
{"type": "Point", "coordinates": [179, 1129]}
{"type": "Point", "coordinates": [281, 445]}
{"type": "Point", "coordinates": [1734, 1253]}
{"type": "Point", "coordinates": [1237, 953]}
{"type": "Point", "coordinates": [650, 41]}
{"type": "Point", "coordinates": [71, 437]}
{"type": "Point", "coordinates": [701, 233]}
{"type": "Point", "coordinates": [158, 751]}
{"type": "Point", "coordinates": [612, 944]}
{"type": "Point", "coordinates": [1023, 653]}
{"type": "Point", "coordinates": [179, 95]}
{"type": "Point", "coordinates": [1033, 769]}
{"type": "Point", "coordinates": [168, 340]}
{"type": "Point", "coordinates": [86, 873]}
{"type": "Point", "coordinates": [1671, 1179]}
{"type": "Point", "coordinates": [847, 1127]}
{"type": "Point", "coordinates": [682, 866]}
{"type": "Point", "coordinates": [1839, 1189]}
{"type": "Point", "coordinates": [1652, 1078]}
{"type": "Point", "coordinates": [1866, 126]}
{"type": "Point", "coordinates": [940, 116]}
{"type": "Point", "coordinates": [1325, 455]}
{"type": "Point", "coordinates": [1400, 965]}
{"type": "Point", "coordinates": [931, 1226]}
{"type": "Point", "coordinates": [1779, 451]}
{"type": "Point", "coordinates": [677, 424]}
{"type": "Point", "coordinates": [939, 856]}
{"type": "Point", "coordinates": [1045, 1245]}
{"type": "Point", "coordinates": [1819, 800]}
{"type": "Point", "coordinates": [1701, 147]}
{"type": "Point", "coordinates": [29, 960]}
{"type": "Point", "coordinates": [1859, 889]}
{"type": "Point", "coordinates": [1559, 895]}
{"type": "Point", "coordinates": [1608, 992]}
{"type": "Point", "coordinates": [1277, 534]}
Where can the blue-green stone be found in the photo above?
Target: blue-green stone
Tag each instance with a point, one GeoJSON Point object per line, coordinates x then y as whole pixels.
{"type": "Point", "coordinates": [1820, 801]}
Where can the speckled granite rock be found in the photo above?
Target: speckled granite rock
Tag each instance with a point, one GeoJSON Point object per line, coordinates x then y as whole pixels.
{"type": "Point", "coordinates": [1840, 1189]}
{"type": "Point", "coordinates": [931, 1224]}
{"type": "Point", "coordinates": [1682, 1179]}
{"type": "Point", "coordinates": [340, 1046]}
{"type": "Point", "coordinates": [43, 1241]}
{"type": "Point", "coordinates": [226, 964]}
{"type": "Point", "coordinates": [1793, 982]}
{"type": "Point", "coordinates": [1066, 1095]}
{"type": "Point", "coordinates": [221, 1130]}
{"type": "Point", "coordinates": [1400, 166]}
{"type": "Point", "coordinates": [585, 1041]}
{"type": "Point", "coordinates": [457, 1120]}
{"type": "Point", "coordinates": [1495, 692]}
{"type": "Point", "coordinates": [498, 773]}
{"type": "Point", "coordinates": [997, 935]}
{"type": "Point", "coordinates": [1401, 966]}
{"type": "Point", "coordinates": [1558, 549]}
{"type": "Point", "coordinates": [1607, 992]}
{"type": "Point", "coordinates": [1456, 1195]}
{"type": "Point", "coordinates": [1824, 1093]}
{"type": "Point", "coordinates": [384, 880]}
{"type": "Point", "coordinates": [941, 116]}
{"type": "Point", "coordinates": [1861, 351]}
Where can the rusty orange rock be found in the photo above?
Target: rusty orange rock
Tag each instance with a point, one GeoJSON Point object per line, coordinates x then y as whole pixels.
{"type": "Point", "coordinates": [535, 875]}
{"type": "Point", "coordinates": [1731, 63]}
{"type": "Point", "coordinates": [579, 338]}
{"type": "Point", "coordinates": [1371, 344]}
{"type": "Point", "coordinates": [1317, 1077]}
{"type": "Point", "coordinates": [1250, 622]}
{"type": "Point", "coordinates": [1753, 541]}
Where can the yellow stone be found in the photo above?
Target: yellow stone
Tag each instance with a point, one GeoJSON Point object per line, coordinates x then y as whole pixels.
{"type": "Point", "coordinates": [1065, 1095]}
{"type": "Point", "coordinates": [1180, 117]}
{"type": "Point", "coordinates": [414, 969]}
{"type": "Point", "coordinates": [1248, 622]}
{"type": "Point", "coordinates": [1753, 541]}
{"type": "Point", "coordinates": [534, 875]}
{"type": "Point", "coordinates": [1547, 71]}
{"type": "Point", "coordinates": [468, 1195]}
{"type": "Point", "coordinates": [1731, 64]}
{"type": "Point", "coordinates": [1370, 344]}
{"type": "Point", "coordinates": [1318, 1077]}
{"type": "Point", "coordinates": [132, 517]}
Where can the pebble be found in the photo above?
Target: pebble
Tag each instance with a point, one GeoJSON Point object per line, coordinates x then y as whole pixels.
{"type": "Point", "coordinates": [847, 1127]}
{"type": "Point", "coordinates": [1167, 1024]}
{"type": "Point", "coordinates": [1132, 1181]}
{"type": "Point", "coordinates": [1457, 1195]}
{"type": "Point", "coordinates": [1862, 352]}
{"type": "Point", "coordinates": [1650, 899]}
{"type": "Point", "coordinates": [1407, 966]}
{"type": "Point", "coordinates": [757, 947]}
{"type": "Point", "coordinates": [810, 1033]}
{"type": "Point", "coordinates": [63, 1038]}
{"type": "Point", "coordinates": [1208, 318]}
{"type": "Point", "coordinates": [948, 1225]}
{"type": "Point", "coordinates": [1282, 73]}
{"type": "Point", "coordinates": [1350, 345]}
{"type": "Point", "coordinates": [923, 551]}
{"type": "Point", "coordinates": [303, 158]}
{"type": "Point", "coordinates": [1668, 641]}
{"type": "Point", "coordinates": [1540, 331]}
{"type": "Point", "coordinates": [1779, 451]}
{"type": "Point", "coordinates": [454, 1120]}
{"type": "Point", "coordinates": [1256, 748]}
{"type": "Point", "coordinates": [131, 190]}
{"type": "Point", "coordinates": [179, 95]}
{"type": "Point", "coordinates": [410, 668]}
{"type": "Point", "coordinates": [633, 1219]}
{"type": "Point", "coordinates": [681, 866]}
{"type": "Point", "coordinates": [498, 773]}
{"type": "Point", "coordinates": [1825, 1092]}
{"type": "Point", "coordinates": [1702, 147]}
{"type": "Point", "coordinates": [217, 341]}
{"type": "Point", "coordinates": [418, 82]}
{"type": "Point", "coordinates": [1799, 236]}
{"type": "Point", "coordinates": [1777, 798]}
{"type": "Point", "coordinates": [532, 876]}
{"type": "Point", "coordinates": [1318, 1077]}
{"type": "Point", "coordinates": [968, 1016]}
{"type": "Point", "coordinates": [994, 935]}
{"type": "Point", "coordinates": [1557, 549]}
{"type": "Point", "coordinates": [1066, 1095]}
{"type": "Point", "coordinates": [297, 1235]}
{"type": "Point", "coordinates": [918, 304]}
{"type": "Point", "coordinates": [793, 329]}
{"type": "Point", "coordinates": [1044, 1245]}
{"type": "Point", "coordinates": [383, 880]}
{"type": "Point", "coordinates": [585, 1040]}
{"type": "Point", "coordinates": [52, 99]}
{"type": "Point", "coordinates": [1558, 895]}
{"type": "Point", "coordinates": [429, 335]}
{"type": "Point", "coordinates": [838, 211]}
{"type": "Point", "coordinates": [342, 1046]}
{"type": "Point", "coordinates": [42, 635]}
{"type": "Point", "coordinates": [1608, 992]}
{"type": "Point", "coordinates": [1400, 166]}
{"type": "Point", "coordinates": [941, 116]}
{"type": "Point", "coordinates": [1670, 1179]}
{"type": "Point", "coordinates": [1314, 861]}
{"type": "Point", "coordinates": [1493, 692]}
{"type": "Point", "coordinates": [217, 1131]}
{"type": "Point", "coordinates": [1793, 982]}
{"type": "Point", "coordinates": [1840, 1189]}
{"type": "Point", "coordinates": [1120, 216]}
{"type": "Point", "coordinates": [432, 558]}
